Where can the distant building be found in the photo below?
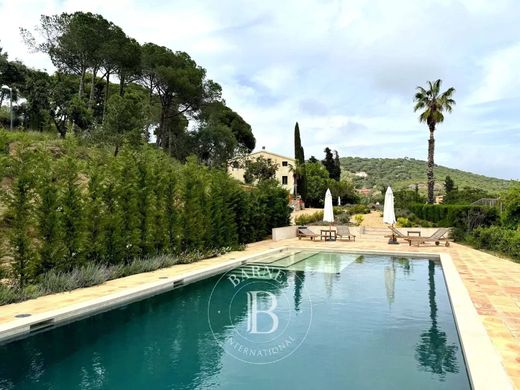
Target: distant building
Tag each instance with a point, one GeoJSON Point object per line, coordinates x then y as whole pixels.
{"type": "Point", "coordinates": [364, 191]}
{"type": "Point", "coordinates": [284, 174]}
{"type": "Point", "coordinates": [361, 174]}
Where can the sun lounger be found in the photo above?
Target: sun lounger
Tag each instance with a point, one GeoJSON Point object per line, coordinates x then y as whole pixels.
{"type": "Point", "coordinates": [396, 233]}
{"type": "Point", "coordinates": [344, 232]}
{"type": "Point", "coordinates": [304, 231]}
{"type": "Point", "coordinates": [436, 237]}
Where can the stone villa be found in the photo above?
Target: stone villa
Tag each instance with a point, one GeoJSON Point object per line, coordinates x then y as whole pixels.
{"type": "Point", "coordinates": [284, 174]}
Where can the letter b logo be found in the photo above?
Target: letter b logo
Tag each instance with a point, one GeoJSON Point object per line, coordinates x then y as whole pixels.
{"type": "Point", "coordinates": [254, 312]}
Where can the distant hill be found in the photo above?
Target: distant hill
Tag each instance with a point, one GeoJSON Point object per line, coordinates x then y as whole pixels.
{"type": "Point", "coordinates": [405, 172]}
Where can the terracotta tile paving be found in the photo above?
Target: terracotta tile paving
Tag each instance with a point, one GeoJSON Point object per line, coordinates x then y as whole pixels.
{"type": "Point", "coordinates": [493, 284]}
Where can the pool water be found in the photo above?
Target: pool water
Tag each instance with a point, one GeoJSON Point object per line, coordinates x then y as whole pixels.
{"type": "Point", "coordinates": [347, 321]}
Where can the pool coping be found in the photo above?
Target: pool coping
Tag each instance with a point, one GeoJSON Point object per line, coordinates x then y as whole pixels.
{"type": "Point", "coordinates": [23, 327]}
{"type": "Point", "coordinates": [483, 362]}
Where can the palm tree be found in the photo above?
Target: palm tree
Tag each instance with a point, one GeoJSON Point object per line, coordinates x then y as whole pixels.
{"type": "Point", "coordinates": [434, 353]}
{"type": "Point", "coordinates": [298, 171]}
{"type": "Point", "coordinates": [434, 103]}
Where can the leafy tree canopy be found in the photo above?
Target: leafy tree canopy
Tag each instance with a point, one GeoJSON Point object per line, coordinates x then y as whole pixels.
{"type": "Point", "coordinates": [259, 169]}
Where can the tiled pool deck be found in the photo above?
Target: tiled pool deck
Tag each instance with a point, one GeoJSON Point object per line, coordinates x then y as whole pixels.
{"type": "Point", "coordinates": [493, 285]}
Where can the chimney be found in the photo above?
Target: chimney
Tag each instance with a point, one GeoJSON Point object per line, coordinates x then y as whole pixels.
{"type": "Point", "coordinates": [263, 147]}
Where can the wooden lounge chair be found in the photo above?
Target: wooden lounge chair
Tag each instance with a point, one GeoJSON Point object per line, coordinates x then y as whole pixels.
{"type": "Point", "coordinates": [396, 233]}
{"type": "Point", "coordinates": [436, 237]}
{"type": "Point", "coordinates": [304, 231]}
{"type": "Point", "coordinates": [344, 232]}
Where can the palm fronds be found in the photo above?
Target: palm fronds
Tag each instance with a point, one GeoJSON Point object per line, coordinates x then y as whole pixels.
{"type": "Point", "coordinates": [433, 102]}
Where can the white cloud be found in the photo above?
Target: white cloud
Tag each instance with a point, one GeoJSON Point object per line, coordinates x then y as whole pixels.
{"type": "Point", "coordinates": [501, 76]}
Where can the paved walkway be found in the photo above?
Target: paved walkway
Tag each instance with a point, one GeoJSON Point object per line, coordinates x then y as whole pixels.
{"type": "Point", "coordinates": [493, 284]}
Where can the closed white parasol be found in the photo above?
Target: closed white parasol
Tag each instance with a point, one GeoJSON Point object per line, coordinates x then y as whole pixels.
{"type": "Point", "coordinates": [328, 212]}
{"type": "Point", "coordinates": [388, 210]}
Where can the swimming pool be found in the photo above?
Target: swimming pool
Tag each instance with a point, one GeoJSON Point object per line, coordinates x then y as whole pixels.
{"type": "Point", "coordinates": [300, 319]}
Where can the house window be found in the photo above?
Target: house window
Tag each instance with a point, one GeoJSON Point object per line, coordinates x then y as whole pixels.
{"type": "Point", "coordinates": [284, 180]}
{"type": "Point", "coordinates": [284, 163]}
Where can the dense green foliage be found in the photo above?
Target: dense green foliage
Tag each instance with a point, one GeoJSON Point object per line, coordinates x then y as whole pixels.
{"type": "Point", "coordinates": [403, 198]}
{"type": "Point", "coordinates": [466, 195]}
{"type": "Point", "coordinates": [497, 239]}
{"type": "Point", "coordinates": [449, 185]}
{"type": "Point", "coordinates": [459, 216]}
{"type": "Point", "coordinates": [504, 235]}
{"type": "Point", "coordinates": [160, 92]}
{"type": "Point", "coordinates": [259, 170]}
{"type": "Point", "coordinates": [492, 228]}
{"type": "Point", "coordinates": [407, 172]}
{"type": "Point", "coordinates": [331, 163]}
{"type": "Point", "coordinates": [318, 181]}
{"type": "Point", "coordinates": [511, 201]}
{"type": "Point", "coordinates": [68, 205]}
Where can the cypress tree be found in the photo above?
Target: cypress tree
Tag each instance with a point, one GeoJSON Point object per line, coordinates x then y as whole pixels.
{"type": "Point", "coordinates": [128, 205]}
{"type": "Point", "coordinates": [159, 179]}
{"type": "Point", "coordinates": [298, 149]}
{"type": "Point", "coordinates": [95, 216]}
{"type": "Point", "coordinates": [50, 229]}
{"type": "Point", "coordinates": [449, 184]}
{"type": "Point", "coordinates": [299, 156]}
{"type": "Point", "coordinates": [145, 204]}
{"type": "Point", "coordinates": [328, 163]}
{"type": "Point", "coordinates": [217, 226]}
{"type": "Point", "coordinates": [194, 201]}
{"type": "Point", "coordinates": [20, 208]}
{"type": "Point", "coordinates": [113, 244]}
{"type": "Point", "coordinates": [229, 217]}
{"type": "Point", "coordinates": [337, 167]}
{"type": "Point", "coordinates": [240, 204]}
{"type": "Point", "coordinates": [72, 215]}
{"type": "Point", "coordinates": [172, 213]}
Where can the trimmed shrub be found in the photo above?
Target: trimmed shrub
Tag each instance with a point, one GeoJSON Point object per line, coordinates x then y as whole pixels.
{"type": "Point", "coordinates": [404, 222]}
{"type": "Point", "coordinates": [67, 206]}
{"type": "Point", "coordinates": [358, 219]}
{"type": "Point", "coordinates": [498, 239]}
{"type": "Point", "coordinates": [459, 216]}
{"type": "Point", "coordinates": [359, 209]}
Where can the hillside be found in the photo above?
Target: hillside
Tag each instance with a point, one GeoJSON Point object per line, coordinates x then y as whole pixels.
{"type": "Point", "coordinates": [403, 172]}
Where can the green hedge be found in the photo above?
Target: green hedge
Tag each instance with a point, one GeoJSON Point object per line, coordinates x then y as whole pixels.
{"type": "Point", "coordinates": [67, 206]}
{"type": "Point", "coordinates": [497, 239]}
{"type": "Point", "coordinates": [466, 217]}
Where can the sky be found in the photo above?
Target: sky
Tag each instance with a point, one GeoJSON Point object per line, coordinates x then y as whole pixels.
{"type": "Point", "coordinates": [345, 70]}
